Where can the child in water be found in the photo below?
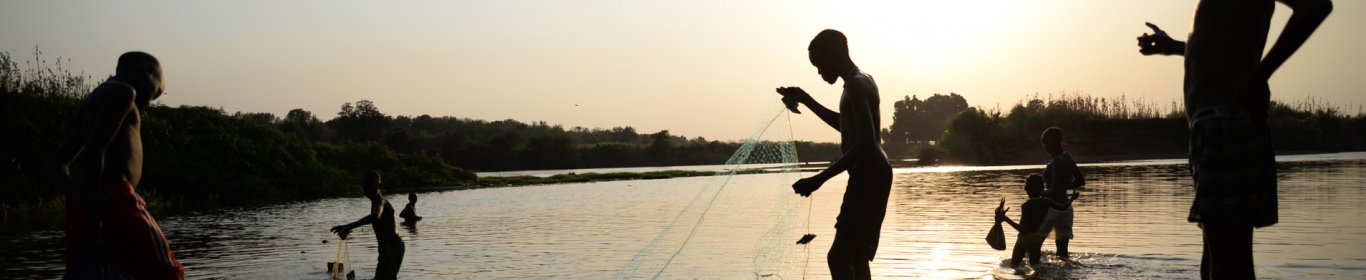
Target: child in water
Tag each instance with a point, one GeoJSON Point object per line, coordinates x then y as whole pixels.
{"type": "Point", "coordinates": [381, 219]}
{"type": "Point", "coordinates": [409, 213]}
{"type": "Point", "coordinates": [1030, 240]}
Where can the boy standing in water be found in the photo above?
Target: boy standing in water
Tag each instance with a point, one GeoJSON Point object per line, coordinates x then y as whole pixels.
{"type": "Point", "coordinates": [1060, 175]}
{"type": "Point", "coordinates": [1030, 239]}
{"type": "Point", "coordinates": [108, 229]}
{"type": "Point", "coordinates": [381, 219]}
{"type": "Point", "coordinates": [870, 175]}
{"type": "Point", "coordinates": [409, 213]}
{"type": "Point", "coordinates": [1227, 96]}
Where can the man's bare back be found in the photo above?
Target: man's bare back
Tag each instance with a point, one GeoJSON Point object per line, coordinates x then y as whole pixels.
{"type": "Point", "coordinates": [106, 142]}
{"type": "Point", "coordinates": [109, 232]}
{"type": "Point", "coordinates": [122, 158]}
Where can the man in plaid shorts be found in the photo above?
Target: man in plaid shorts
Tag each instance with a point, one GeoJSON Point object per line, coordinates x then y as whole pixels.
{"type": "Point", "coordinates": [1226, 97]}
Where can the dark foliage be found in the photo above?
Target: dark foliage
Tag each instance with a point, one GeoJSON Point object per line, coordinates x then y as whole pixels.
{"type": "Point", "coordinates": [201, 157]}
{"type": "Point", "coordinates": [1098, 129]}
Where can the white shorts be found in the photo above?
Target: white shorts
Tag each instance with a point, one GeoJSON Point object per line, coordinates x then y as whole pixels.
{"type": "Point", "coordinates": [1058, 223]}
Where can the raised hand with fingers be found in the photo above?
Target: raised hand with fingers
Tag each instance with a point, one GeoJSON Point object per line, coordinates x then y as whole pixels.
{"type": "Point", "coordinates": [1001, 211]}
{"type": "Point", "coordinates": [1159, 43]}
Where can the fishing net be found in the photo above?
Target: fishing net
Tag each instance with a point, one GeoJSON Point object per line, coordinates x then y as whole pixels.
{"type": "Point", "coordinates": [338, 268]}
{"type": "Point", "coordinates": [764, 167]}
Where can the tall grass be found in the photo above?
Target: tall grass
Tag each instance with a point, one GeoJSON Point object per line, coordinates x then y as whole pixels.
{"type": "Point", "coordinates": [979, 136]}
{"type": "Point", "coordinates": [1092, 107]}
{"type": "Point", "coordinates": [37, 77]}
{"type": "Point", "coordinates": [1124, 107]}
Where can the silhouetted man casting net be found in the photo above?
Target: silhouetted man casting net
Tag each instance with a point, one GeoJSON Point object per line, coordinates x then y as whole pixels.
{"type": "Point", "coordinates": [870, 175]}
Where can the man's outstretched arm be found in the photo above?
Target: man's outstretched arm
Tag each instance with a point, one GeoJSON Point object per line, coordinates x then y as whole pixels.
{"type": "Point", "coordinates": [830, 117]}
{"type": "Point", "coordinates": [864, 145]}
{"type": "Point", "coordinates": [1306, 17]}
{"type": "Point", "coordinates": [376, 209]}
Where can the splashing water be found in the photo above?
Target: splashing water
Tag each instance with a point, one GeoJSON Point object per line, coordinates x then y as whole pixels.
{"type": "Point", "coordinates": [768, 150]}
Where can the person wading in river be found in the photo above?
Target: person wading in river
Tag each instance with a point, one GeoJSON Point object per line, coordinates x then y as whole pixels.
{"type": "Point", "coordinates": [381, 220]}
{"type": "Point", "coordinates": [870, 175]}
{"type": "Point", "coordinates": [109, 233]}
{"type": "Point", "coordinates": [1227, 97]}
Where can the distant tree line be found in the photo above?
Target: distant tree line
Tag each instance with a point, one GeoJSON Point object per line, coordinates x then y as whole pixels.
{"type": "Point", "coordinates": [1122, 128]}
{"type": "Point", "coordinates": [200, 157]}
{"type": "Point", "coordinates": [513, 145]}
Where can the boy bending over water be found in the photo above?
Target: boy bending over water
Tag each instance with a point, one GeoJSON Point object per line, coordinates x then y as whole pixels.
{"type": "Point", "coordinates": [381, 219]}
{"type": "Point", "coordinates": [859, 223]}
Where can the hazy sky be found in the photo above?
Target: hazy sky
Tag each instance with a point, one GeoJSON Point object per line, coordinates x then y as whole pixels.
{"type": "Point", "coordinates": [696, 68]}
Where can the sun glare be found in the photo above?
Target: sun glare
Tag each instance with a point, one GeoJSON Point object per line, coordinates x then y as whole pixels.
{"type": "Point", "coordinates": [897, 30]}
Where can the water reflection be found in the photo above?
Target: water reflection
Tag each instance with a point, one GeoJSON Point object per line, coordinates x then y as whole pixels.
{"type": "Point", "coordinates": [1130, 223]}
{"type": "Point", "coordinates": [410, 226]}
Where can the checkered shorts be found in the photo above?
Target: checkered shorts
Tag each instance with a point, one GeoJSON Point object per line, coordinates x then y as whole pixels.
{"type": "Point", "coordinates": [1234, 168]}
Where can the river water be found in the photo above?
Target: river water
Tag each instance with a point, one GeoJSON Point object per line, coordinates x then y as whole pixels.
{"type": "Point", "coordinates": [1130, 223]}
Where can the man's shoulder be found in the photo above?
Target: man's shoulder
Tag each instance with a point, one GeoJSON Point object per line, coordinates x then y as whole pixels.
{"type": "Point", "coordinates": [860, 81]}
{"type": "Point", "coordinates": [860, 86]}
{"type": "Point", "coordinates": [112, 91]}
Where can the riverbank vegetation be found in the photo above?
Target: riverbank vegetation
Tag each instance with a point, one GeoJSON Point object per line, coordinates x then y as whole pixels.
{"type": "Point", "coordinates": [201, 157]}
{"type": "Point", "coordinates": [1104, 129]}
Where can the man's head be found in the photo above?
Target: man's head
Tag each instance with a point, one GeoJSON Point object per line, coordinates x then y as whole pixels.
{"type": "Point", "coordinates": [829, 52]}
{"type": "Point", "coordinates": [371, 183]}
{"type": "Point", "coordinates": [1034, 185]}
{"type": "Point", "coordinates": [1052, 140]}
{"type": "Point", "coordinates": [143, 72]}
{"type": "Point", "coordinates": [412, 197]}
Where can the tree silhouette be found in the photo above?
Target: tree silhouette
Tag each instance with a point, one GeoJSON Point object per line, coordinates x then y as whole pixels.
{"type": "Point", "coordinates": [915, 121]}
{"type": "Point", "coordinates": [360, 123]}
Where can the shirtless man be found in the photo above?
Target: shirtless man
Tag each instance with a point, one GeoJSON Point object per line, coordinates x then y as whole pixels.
{"type": "Point", "coordinates": [870, 175]}
{"type": "Point", "coordinates": [381, 220]}
{"type": "Point", "coordinates": [1226, 104]}
{"type": "Point", "coordinates": [109, 232]}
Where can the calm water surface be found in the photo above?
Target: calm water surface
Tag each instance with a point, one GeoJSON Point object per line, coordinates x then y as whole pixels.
{"type": "Point", "coordinates": [1130, 223]}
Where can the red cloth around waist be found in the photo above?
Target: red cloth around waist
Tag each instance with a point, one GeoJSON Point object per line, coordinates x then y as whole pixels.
{"type": "Point", "coordinates": [132, 239]}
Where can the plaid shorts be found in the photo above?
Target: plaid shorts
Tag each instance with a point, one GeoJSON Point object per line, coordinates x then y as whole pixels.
{"type": "Point", "coordinates": [1234, 168]}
